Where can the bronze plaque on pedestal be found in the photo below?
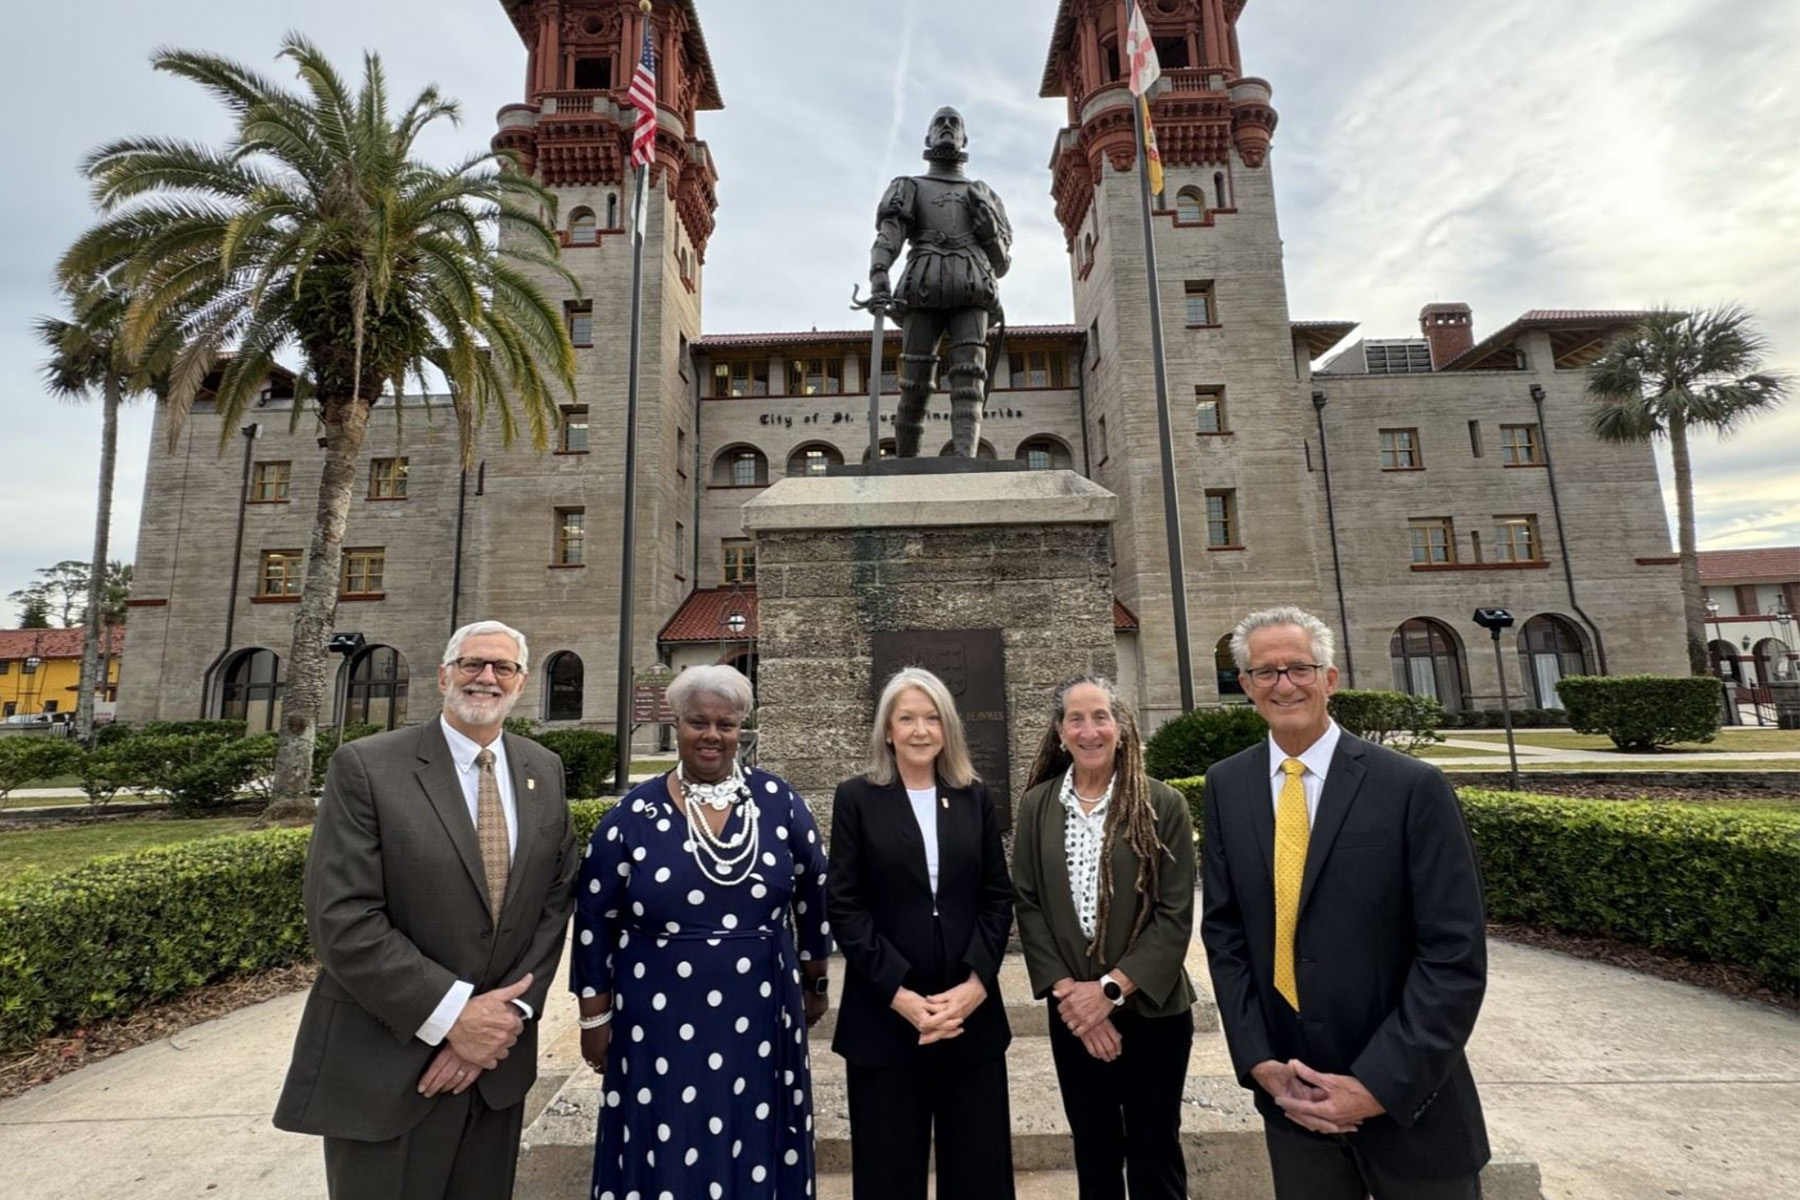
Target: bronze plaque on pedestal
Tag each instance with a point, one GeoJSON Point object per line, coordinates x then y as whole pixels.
{"type": "Point", "coordinates": [972, 664]}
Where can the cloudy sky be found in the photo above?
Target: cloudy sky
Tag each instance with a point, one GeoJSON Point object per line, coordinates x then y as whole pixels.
{"type": "Point", "coordinates": [1533, 154]}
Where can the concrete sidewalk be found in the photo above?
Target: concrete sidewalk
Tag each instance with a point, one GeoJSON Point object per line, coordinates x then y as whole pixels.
{"type": "Point", "coordinates": [1620, 1086]}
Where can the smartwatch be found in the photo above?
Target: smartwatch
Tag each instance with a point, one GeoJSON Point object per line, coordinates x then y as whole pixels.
{"type": "Point", "coordinates": [820, 986]}
{"type": "Point", "coordinates": [1109, 987]}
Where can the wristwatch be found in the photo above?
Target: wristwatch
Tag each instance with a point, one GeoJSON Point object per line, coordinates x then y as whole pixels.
{"type": "Point", "coordinates": [821, 985]}
{"type": "Point", "coordinates": [1109, 987]}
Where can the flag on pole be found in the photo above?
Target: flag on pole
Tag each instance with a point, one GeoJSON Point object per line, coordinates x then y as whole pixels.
{"type": "Point", "coordinates": [1143, 69]}
{"type": "Point", "coordinates": [643, 99]}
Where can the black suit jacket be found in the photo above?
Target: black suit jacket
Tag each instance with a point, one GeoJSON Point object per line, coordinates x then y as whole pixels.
{"type": "Point", "coordinates": [396, 902]}
{"type": "Point", "coordinates": [1390, 952]}
{"type": "Point", "coordinates": [881, 906]}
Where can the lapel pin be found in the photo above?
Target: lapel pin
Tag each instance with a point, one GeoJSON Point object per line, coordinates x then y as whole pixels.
{"type": "Point", "coordinates": [530, 784]}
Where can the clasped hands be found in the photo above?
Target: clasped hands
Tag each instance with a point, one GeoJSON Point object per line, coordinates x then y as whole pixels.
{"type": "Point", "coordinates": [483, 1034]}
{"type": "Point", "coordinates": [1087, 1012]}
{"type": "Point", "coordinates": [1316, 1100]}
{"type": "Point", "coordinates": [940, 1017]}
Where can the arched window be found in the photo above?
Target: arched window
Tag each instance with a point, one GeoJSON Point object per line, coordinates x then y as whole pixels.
{"type": "Point", "coordinates": [251, 691]}
{"type": "Point", "coordinates": [1427, 661]}
{"type": "Point", "coordinates": [581, 227]}
{"type": "Point", "coordinates": [375, 692]}
{"type": "Point", "coordinates": [888, 449]}
{"type": "Point", "coordinates": [983, 449]}
{"type": "Point", "coordinates": [740, 466]}
{"type": "Point", "coordinates": [1725, 663]}
{"type": "Point", "coordinates": [1549, 650]}
{"type": "Point", "coordinates": [1230, 690]}
{"type": "Point", "coordinates": [563, 676]}
{"type": "Point", "coordinates": [1219, 189]}
{"type": "Point", "coordinates": [1089, 243]}
{"type": "Point", "coordinates": [813, 458]}
{"type": "Point", "coordinates": [1045, 453]}
{"type": "Point", "coordinates": [1190, 206]}
{"type": "Point", "coordinates": [1774, 661]}
{"type": "Point", "coordinates": [612, 210]}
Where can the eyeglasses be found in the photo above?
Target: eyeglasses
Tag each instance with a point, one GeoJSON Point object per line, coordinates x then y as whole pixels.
{"type": "Point", "coordinates": [504, 669]}
{"type": "Point", "coordinates": [1300, 674]}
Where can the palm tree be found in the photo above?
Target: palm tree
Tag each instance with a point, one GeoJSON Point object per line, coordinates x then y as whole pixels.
{"type": "Point", "coordinates": [316, 229]}
{"type": "Point", "coordinates": [1673, 373]}
{"type": "Point", "coordinates": [87, 355]}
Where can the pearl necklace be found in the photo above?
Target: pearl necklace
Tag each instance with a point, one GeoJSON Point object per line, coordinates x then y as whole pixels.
{"type": "Point", "coordinates": [726, 854]}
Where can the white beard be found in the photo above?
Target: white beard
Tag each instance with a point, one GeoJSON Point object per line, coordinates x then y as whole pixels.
{"type": "Point", "coordinates": [481, 711]}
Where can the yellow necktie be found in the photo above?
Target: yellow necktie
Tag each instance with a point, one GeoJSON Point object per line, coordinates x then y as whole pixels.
{"type": "Point", "coordinates": [1291, 831]}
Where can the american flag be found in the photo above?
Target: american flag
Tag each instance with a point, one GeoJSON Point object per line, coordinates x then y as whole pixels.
{"type": "Point", "coordinates": [643, 98]}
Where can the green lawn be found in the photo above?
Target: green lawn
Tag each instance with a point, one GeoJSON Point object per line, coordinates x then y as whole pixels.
{"type": "Point", "coordinates": [1729, 741]}
{"type": "Point", "coordinates": [1530, 766]}
{"type": "Point", "coordinates": [1457, 752]}
{"type": "Point", "coordinates": [51, 850]}
{"type": "Point", "coordinates": [54, 781]}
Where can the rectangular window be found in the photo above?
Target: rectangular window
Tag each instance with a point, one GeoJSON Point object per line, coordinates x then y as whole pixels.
{"type": "Point", "coordinates": [815, 377]}
{"type": "Point", "coordinates": [1209, 409]}
{"type": "Point", "coordinates": [739, 556]}
{"type": "Point", "coordinates": [1100, 438]}
{"type": "Point", "coordinates": [744, 377]}
{"type": "Point", "coordinates": [1037, 369]}
{"type": "Point", "coordinates": [1222, 520]}
{"type": "Point", "coordinates": [11, 707]}
{"type": "Point", "coordinates": [1400, 450]}
{"type": "Point", "coordinates": [279, 574]}
{"type": "Point", "coordinates": [387, 479]}
{"type": "Point", "coordinates": [1093, 344]}
{"type": "Point", "coordinates": [1202, 308]}
{"type": "Point", "coordinates": [28, 666]}
{"type": "Point", "coordinates": [1519, 446]}
{"type": "Point", "coordinates": [363, 571]}
{"type": "Point", "coordinates": [269, 482]}
{"type": "Point", "coordinates": [5, 666]}
{"type": "Point", "coordinates": [815, 462]}
{"type": "Point", "coordinates": [744, 468]}
{"type": "Point", "coordinates": [575, 429]}
{"type": "Point", "coordinates": [571, 532]}
{"type": "Point", "coordinates": [890, 373]}
{"type": "Point", "coordinates": [681, 552]}
{"type": "Point", "coordinates": [1475, 438]}
{"type": "Point", "coordinates": [51, 706]}
{"type": "Point", "coordinates": [1516, 539]}
{"type": "Point", "coordinates": [681, 453]}
{"type": "Point", "coordinates": [1433, 540]}
{"type": "Point", "coordinates": [580, 316]}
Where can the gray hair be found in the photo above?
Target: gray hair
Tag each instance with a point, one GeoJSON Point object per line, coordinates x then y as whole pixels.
{"type": "Point", "coordinates": [953, 761]}
{"type": "Point", "coordinates": [1324, 644]}
{"type": "Point", "coordinates": [727, 683]}
{"type": "Point", "coordinates": [453, 651]}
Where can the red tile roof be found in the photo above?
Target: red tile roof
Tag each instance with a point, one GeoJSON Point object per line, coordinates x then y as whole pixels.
{"type": "Point", "coordinates": [1780, 564]}
{"type": "Point", "coordinates": [820, 337]}
{"type": "Point", "coordinates": [50, 643]}
{"type": "Point", "coordinates": [702, 616]}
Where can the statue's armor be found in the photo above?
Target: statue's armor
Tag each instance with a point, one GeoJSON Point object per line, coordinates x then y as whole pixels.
{"type": "Point", "coordinates": [960, 244]}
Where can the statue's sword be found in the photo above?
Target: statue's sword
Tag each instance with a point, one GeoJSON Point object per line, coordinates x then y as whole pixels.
{"type": "Point", "coordinates": [880, 307]}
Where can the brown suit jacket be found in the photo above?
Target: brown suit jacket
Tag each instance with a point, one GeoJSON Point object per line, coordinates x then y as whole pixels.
{"type": "Point", "coordinates": [396, 903]}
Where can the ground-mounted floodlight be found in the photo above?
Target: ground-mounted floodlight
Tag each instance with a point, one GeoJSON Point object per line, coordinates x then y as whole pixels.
{"type": "Point", "coordinates": [1494, 620]}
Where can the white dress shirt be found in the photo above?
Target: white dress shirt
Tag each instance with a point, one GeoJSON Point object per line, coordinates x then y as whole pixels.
{"type": "Point", "coordinates": [463, 751]}
{"type": "Point", "coordinates": [1317, 758]}
{"type": "Point", "coordinates": [922, 804]}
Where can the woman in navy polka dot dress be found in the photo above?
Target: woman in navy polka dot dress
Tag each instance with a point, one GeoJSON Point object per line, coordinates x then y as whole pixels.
{"type": "Point", "coordinates": [695, 999]}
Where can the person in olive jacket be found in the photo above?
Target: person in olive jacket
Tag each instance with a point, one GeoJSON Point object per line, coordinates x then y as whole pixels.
{"type": "Point", "coordinates": [1103, 879]}
{"type": "Point", "coordinates": [921, 907]}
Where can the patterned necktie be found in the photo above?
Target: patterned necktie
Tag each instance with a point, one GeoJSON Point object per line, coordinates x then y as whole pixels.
{"type": "Point", "coordinates": [1291, 831]}
{"type": "Point", "coordinates": [490, 831]}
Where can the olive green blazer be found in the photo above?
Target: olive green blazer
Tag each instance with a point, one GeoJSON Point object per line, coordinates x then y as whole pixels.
{"type": "Point", "coordinates": [1050, 930]}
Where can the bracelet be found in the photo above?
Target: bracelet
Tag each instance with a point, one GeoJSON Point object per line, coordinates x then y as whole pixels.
{"type": "Point", "coordinates": [594, 1022]}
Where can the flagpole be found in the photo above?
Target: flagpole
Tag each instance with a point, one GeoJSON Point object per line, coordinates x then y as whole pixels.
{"type": "Point", "coordinates": [1184, 664]}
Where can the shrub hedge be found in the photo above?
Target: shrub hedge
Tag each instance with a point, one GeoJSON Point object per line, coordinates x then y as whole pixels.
{"type": "Point", "coordinates": [588, 758]}
{"type": "Point", "coordinates": [28, 756]}
{"type": "Point", "coordinates": [1396, 719]}
{"type": "Point", "coordinates": [105, 938]}
{"type": "Point", "coordinates": [1698, 880]}
{"type": "Point", "coordinates": [1194, 741]}
{"type": "Point", "coordinates": [1642, 712]}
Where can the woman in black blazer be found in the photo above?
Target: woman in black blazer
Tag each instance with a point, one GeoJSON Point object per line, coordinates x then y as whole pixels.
{"type": "Point", "coordinates": [921, 905]}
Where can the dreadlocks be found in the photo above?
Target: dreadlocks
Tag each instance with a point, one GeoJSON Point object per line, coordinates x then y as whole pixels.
{"type": "Point", "coordinates": [1131, 810]}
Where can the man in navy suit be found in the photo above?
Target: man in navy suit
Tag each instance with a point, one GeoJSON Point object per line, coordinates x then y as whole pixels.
{"type": "Point", "coordinates": [1344, 931]}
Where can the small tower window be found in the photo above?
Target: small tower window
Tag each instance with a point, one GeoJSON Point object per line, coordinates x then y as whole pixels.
{"type": "Point", "coordinates": [1172, 52]}
{"type": "Point", "coordinates": [612, 210]}
{"type": "Point", "coordinates": [593, 74]}
{"type": "Point", "coordinates": [1190, 206]}
{"type": "Point", "coordinates": [1219, 189]}
{"type": "Point", "coordinates": [581, 227]}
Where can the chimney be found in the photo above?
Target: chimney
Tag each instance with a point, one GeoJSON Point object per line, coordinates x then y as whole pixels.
{"type": "Point", "coordinates": [1450, 328]}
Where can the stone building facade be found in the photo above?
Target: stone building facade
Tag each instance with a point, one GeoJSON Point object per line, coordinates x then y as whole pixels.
{"type": "Point", "coordinates": [1393, 487]}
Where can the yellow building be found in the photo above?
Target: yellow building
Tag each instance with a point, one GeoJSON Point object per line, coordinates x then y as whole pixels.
{"type": "Point", "coordinates": [40, 671]}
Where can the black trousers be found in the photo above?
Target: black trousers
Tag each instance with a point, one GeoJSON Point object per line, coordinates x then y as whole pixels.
{"type": "Point", "coordinates": [894, 1111]}
{"type": "Point", "coordinates": [1126, 1113]}
{"type": "Point", "coordinates": [463, 1150]}
{"type": "Point", "coordinates": [1311, 1166]}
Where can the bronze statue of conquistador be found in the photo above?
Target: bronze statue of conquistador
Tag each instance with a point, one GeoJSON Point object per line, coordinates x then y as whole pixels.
{"type": "Point", "coordinates": [960, 244]}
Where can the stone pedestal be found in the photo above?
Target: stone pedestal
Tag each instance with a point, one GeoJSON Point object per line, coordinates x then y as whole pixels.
{"type": "Point", "coordinates": [840, 560]}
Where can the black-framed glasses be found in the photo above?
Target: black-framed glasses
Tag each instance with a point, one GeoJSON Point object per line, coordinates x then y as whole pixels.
{"type": "Point", "coordinates": [504, 668]}
{"type": "Point", "coordinates": [1300, 674]}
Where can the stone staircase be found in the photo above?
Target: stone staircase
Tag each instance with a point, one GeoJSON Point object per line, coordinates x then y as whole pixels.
{"type": "Point", "coordinates": [1221, 1130]}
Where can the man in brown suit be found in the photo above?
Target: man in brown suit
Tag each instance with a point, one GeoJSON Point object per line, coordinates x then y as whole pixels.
{"type": "Point", "coordinates": [438, 890]}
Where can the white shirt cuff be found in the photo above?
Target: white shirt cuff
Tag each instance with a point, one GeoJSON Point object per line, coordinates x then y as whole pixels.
{"type": "Point", "coordinates": [524, 1008]}
{"type": "Point", "coordinates": [437, 1026]}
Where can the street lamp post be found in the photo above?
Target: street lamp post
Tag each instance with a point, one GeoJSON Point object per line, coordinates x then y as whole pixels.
{"type": "Point", "coordinates": [1494, 620]}
{"type": "Point", "coordinates": [1712, 614]}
